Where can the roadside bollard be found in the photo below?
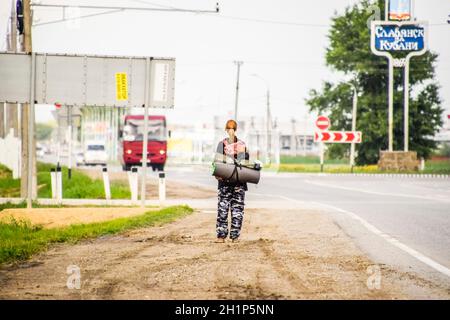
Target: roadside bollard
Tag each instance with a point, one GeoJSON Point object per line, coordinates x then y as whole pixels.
{"type": "Point", "coordinates": [162, 188]}
{"type": "Point", "coordinates": [106, 184]}
{"type": "Point", "coordinates": [133, 181]}
{"type": "Point", "coordinates": [58, 184]}
{"type": "Point", "coordinates": [53, 182]}
{"type": "Point", "coordinates": [422, 164]}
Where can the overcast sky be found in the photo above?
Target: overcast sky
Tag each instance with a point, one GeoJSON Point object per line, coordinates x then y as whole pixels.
{"type": "Point", "coordinates": [282, 41]}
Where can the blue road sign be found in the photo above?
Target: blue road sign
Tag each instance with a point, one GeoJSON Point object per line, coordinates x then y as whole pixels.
{"type": "Point", "coordinates": [391, 38]}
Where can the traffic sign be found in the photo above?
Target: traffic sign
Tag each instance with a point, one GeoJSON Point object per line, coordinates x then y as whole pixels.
{"type": "Point", "coordinates": [322, 122]}
{"type": "Point", "coordinates": [338, 136]}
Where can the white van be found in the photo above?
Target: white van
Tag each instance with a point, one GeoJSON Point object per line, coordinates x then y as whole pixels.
{"type": "Point", "coordinates": [95, 153]}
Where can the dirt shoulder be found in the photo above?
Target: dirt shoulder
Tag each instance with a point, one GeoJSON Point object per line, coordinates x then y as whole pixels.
{"type": "Point", "coordinates": [61, 217]}
{"type": "Point", "coordinates": [283, 254]}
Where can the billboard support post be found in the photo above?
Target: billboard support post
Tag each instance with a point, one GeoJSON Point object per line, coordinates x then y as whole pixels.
{"type": "Point", "coordinates": [148, 69]}
{"type": "Point", "coordinates": [31, 131]}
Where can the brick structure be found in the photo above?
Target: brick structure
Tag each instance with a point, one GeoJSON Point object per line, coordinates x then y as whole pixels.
{"type": "Point", "coordinates": [398, 161]}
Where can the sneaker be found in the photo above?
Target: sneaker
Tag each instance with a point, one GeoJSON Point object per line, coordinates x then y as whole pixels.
{"type": "Point", "coordinates": [220, 240]}
{"type": "Point", "coordinates": [235, 240]}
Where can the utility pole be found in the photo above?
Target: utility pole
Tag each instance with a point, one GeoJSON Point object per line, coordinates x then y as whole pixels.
{"type": "Point", "coordinates": [238, 64]}
{"type": "Point", "coordinates": [28, 179]}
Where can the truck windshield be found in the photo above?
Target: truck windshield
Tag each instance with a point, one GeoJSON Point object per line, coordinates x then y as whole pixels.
{"type": "Point", "coordinates": [134, 130]}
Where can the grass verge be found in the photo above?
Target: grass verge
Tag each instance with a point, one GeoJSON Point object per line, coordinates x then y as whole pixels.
{"type": "Point", "coordinates": [431, 167]}
{"type": "Point", "coordinates": [80, 186]}
{"type": "Point", "coordinates": [19, 240]}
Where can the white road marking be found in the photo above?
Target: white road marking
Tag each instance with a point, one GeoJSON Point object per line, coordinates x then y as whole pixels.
{"type": "Point", "coordinates": [419, 256]}
{"type": "Point", "coordinates": [414, 253]}
{"type": "Point", "coordinates": [377, 193]}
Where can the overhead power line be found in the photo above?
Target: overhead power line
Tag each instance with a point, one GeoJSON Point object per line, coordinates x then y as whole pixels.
{"type": "Point", "coordinates": [115, 9]}
{"type": "Point", "coordinates": [171, 9]}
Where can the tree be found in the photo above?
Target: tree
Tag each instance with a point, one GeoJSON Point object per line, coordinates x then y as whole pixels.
{"type": "Point", "coordinates": [43, 131]}
{"type": "Point", "coordinates": [349, 52]}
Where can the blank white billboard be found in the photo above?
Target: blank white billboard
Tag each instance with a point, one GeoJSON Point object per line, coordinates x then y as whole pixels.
{"type": "Point", "coordinates": [87, 80]}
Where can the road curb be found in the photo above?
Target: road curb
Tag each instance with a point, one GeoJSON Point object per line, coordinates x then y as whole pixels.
{"type": "Point", "coordinates": [382, 175]}
{"type": "Point", "coordinates": [393, 175]}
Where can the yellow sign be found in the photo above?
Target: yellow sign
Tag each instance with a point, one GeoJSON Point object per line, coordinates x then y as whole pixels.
{"type": "Point", "coordinates": [121, 86]}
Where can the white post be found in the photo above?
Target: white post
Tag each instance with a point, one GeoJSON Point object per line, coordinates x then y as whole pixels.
{"type": "Point", "coordinates": [58, 149]}
{"type": "Point", "coordinates": [355, 105]}
{"type": "Point", "coordinates": [391, 105]}
{"type": "Point", "coordinates": [162, 188]}
{"type": "Point", "coordinates": [106, 184]}
{"type": "Point", "coordinates": [59, 184]}
{"type": "Point", "coordinates": [322, 156]}
{"type": "Point", "coordinates": [69, 110]}
{"type": "Point", "coordinates": [386, 10]}
{"type": "Point", "coordinates": [133, 182]}
{"type": "Point", "coordinates": [422, 164]}
{"type": "Point", "coordinates": [406, 106]}
{"type": "Point", "coordinates": [53, 182]}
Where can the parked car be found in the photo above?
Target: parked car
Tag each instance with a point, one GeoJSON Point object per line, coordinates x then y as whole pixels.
{"type": "Point", "coordinates": [95, 153]}
{"type": "Point", "coordinates": [41, 150]}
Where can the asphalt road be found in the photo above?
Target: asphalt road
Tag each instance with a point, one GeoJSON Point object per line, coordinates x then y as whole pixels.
{"type": "Point", "coordinates": [398, 221]}
{"type": "Point", "coordinates": [402, 221]}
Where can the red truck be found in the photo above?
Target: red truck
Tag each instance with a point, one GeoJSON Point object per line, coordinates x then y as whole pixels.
{"type": "Point", "coordinates": [131, 140]}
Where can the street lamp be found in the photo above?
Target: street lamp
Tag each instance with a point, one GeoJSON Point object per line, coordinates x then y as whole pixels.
{"type": "Point", "coordinates": [268, 122]}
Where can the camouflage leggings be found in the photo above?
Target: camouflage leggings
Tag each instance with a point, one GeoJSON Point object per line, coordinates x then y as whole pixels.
{"type": "Point", "coordinates": [230, 197]}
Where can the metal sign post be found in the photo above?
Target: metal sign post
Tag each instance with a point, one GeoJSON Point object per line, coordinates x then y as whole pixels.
{"type": "Point", "coordinates": [388, 37]}
{"type": "Point", "coordinates": [148, 69]}
{"type": "Point", "coordinates": [31, 130]}
{"type": "Point", "coordinates": [322, 123]}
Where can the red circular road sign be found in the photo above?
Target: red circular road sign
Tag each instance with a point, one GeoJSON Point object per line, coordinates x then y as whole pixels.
{"type": "Point", "coordinates": [322, 122]}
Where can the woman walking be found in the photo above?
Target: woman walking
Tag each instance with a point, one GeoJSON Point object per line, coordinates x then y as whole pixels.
{"type": "Point", "coordinates": [230, 195]}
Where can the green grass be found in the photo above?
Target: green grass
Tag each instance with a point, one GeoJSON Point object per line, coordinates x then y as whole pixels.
{"type": "Point", "coordinates": [23, 204]}
{"type": "Point", "coordinates": [80, 186]}
{"type": "Point", "coordinates": [442, 167]}
{"type": "Point", "coordinates": [9, 187]}
{"type": "Point", "coordinates": [431, 167]}
{"type": "Point", "coordinates": [309, 160]}
{"type": "Point", "coordinates": [19, 240]}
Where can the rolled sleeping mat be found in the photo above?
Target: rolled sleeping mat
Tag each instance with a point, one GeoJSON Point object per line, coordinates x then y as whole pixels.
{"type": "Point", "coordinates": [231, 172]}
